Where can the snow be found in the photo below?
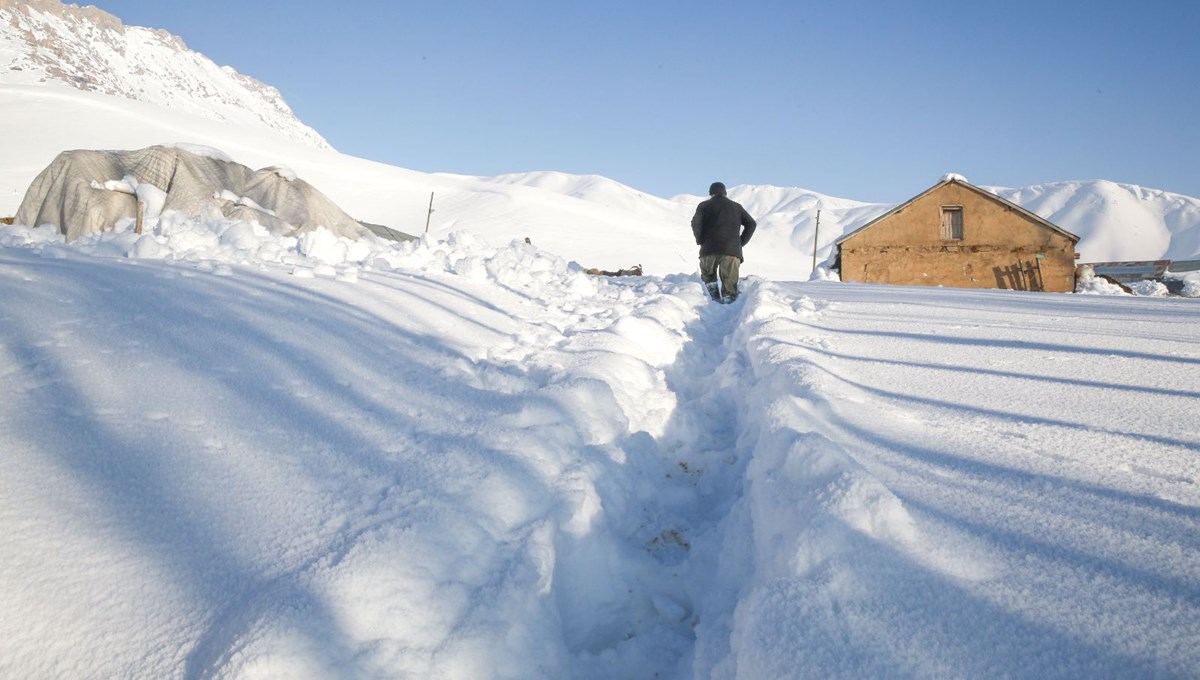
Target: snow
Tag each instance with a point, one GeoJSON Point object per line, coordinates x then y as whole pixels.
{"type": "Point", "coordinates": [1149, 288]}
{"type": "Point", "coordinates": [284, 171]}
{"type": "Point", "coordinates": [593, 221]}
{"type": "Point", "coordinates": [59, 46]}
{"type": "Point", "coordinates": [202, 150]}
{"type": "Point", "coordinates": [227, 195]}
{"type": "Point", "coordinates": [953, 177]}
{"type": "Point", "coordinates": [1088, 283]}
{"type": "Point", "coordinates": [1189, 283]}
{"type": "Point", "coordinates": [151, 196]}
{"type": "Point", "coordinates": [126, 185]}
{"type": "Point", "coordinates": [234, 454]}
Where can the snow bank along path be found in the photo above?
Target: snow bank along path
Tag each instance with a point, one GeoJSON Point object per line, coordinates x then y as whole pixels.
{"type": "Point", "coordinates": [232, 455]}
{"type": "Point", "coordinates": [237, 455]}
{"type": "Point", "coordinates": [968, 484]}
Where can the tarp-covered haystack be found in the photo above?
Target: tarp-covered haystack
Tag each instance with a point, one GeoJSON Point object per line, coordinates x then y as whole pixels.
{"type": "Point", "coordinates": [84, 192]}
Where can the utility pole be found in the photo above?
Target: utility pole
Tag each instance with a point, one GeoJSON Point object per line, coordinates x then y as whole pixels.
{"type": "Point", "coordinates": [816, 232]}
{"type": "Point", "coordinates": [430, 213]}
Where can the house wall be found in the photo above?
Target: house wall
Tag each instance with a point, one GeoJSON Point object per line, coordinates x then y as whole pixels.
{"type": "Point", "coordinates": [998, 248]}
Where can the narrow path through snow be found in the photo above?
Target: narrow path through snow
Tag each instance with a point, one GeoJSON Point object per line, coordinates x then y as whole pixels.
{"type": "Point", "coordinates": [648, 497]}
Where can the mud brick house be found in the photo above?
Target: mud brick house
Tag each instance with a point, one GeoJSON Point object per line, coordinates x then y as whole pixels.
{"type": "Point", "coordinates": [956, 234]}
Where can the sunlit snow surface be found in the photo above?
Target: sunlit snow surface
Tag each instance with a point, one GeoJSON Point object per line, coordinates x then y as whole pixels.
{"type": "Point", "coordinates": [227, 454]}
{"type": "Point", "coordinates": [592, 220]}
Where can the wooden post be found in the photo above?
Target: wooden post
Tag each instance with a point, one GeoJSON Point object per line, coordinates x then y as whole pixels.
{"type": "Point", "coordinates": [430, 213]}
{"type": "Point", "coordinates": [141, 215]}
{"type": "Point", "coordinates": [816, 232]}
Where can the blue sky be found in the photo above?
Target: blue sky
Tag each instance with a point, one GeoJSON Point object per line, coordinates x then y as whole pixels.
{"type": "Point", "coordinates": [860, 99]}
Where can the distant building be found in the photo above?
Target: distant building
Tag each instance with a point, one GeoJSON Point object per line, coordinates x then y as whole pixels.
{"type": "Point", "coordinates": [956, 234]}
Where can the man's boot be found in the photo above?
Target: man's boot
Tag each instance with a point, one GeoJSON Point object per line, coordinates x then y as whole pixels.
{"type": "Point", "coordinates": [713, 292]}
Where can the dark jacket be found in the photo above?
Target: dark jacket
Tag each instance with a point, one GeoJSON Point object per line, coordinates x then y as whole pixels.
{"type": "Point", "coordinates": [718, 227]}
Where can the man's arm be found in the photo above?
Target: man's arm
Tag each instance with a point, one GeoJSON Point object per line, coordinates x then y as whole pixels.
{"type": "Point", "coordinates": [749, 224]}
{"type": "Point", "coordinates": [698, 224]}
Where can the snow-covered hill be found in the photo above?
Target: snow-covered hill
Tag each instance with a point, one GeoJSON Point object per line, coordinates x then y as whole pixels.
{"type": "Point", "coordinates": [593, 220]}
{"type": "Point", "coordinates": [1117, 221]}
{"type": "Point", "coordinates": [48, 42]}
{"type": "Point", "coordinates": [158, 92]}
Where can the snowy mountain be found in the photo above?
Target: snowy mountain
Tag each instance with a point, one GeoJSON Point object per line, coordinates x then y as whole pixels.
{"type": "Point", "coordinates": [48, 42]}
{"type": "Point", "coordinates": [590, 188]}
{"type": "Point", "coordinates": [140, 87]}
{"type": "Point", "coordinates": [1117, 221]}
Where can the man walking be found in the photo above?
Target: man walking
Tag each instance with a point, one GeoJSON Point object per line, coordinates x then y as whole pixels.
{"type": "Point", "coordinates": [718, 228]}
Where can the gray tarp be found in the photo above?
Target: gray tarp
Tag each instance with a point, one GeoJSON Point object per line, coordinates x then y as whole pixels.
{"type": "Point", "coordinates": [64, 194]}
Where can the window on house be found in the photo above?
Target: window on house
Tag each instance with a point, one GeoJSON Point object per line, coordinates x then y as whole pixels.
{"type": "Point", "coordinates": [952, 222]}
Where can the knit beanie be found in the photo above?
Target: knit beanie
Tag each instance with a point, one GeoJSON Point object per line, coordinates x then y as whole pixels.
{"type": "Point", "coordinates": [716, 189]}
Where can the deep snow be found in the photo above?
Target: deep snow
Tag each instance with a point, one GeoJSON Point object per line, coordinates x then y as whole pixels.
{"type": "Point", "coordinates": [228, 454]}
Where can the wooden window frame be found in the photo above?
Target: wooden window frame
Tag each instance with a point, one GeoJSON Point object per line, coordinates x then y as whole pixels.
{"type": "Point", "coordinates": [949, 229]}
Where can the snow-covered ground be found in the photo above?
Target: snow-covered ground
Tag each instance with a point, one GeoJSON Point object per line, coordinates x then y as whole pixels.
{"type": "Point", "coordinates": [227, 454]}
